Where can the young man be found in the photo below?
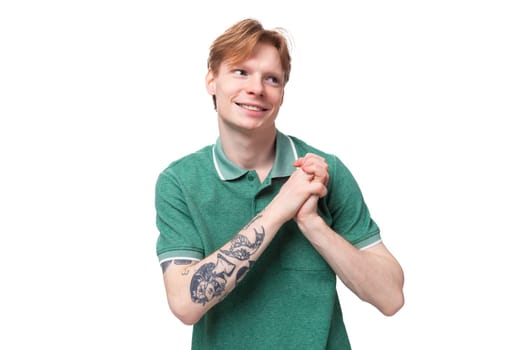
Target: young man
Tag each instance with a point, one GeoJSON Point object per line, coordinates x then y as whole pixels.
{"type": "Point", "coordinates": [255, 228]}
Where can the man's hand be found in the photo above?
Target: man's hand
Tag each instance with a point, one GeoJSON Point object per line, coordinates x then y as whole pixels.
{"type": "Point", "coordinates": [316, 167]}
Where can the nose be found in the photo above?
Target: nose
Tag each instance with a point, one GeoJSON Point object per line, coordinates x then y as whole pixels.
{"type": "Point", "coordinates": [255, 86]}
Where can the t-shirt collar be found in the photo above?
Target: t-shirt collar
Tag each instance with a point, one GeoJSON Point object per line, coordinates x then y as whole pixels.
{"type": "Point", "coordinates": [285, 155]}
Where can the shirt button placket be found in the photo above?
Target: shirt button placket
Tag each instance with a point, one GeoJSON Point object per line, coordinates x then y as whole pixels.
{"type": "Point", "coordinates": [251, 177]}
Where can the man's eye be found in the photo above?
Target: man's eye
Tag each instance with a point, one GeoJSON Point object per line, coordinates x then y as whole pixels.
{"type": "Point", "coordinates": [239, 71]}
{"type": "Point", "coordinates": [274, 80]}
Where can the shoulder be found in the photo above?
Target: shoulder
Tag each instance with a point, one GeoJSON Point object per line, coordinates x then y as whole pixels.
{"type": "Point", "coordinates": [189, 164]}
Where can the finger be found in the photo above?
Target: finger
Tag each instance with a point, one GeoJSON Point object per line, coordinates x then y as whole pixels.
{"type": "Point", "coordinates": [298, 162]}
{"type": "Point", "coordinates": [313, 160]}
{"type": "Point", "coordinates": [319, 189]}
{"type": "Point", "coordinates": [309, 157]}
{"type": "Point", "coordinates": [313, 157]}
{"type": "Point", "coordinates": [320, 173]}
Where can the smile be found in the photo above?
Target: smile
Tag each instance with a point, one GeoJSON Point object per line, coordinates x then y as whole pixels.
{"type": "Point", "coordinates": [252, 107]}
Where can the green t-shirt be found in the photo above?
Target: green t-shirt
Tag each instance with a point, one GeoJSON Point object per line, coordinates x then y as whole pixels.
{"type": "Point", "coordinates": [289, 299]}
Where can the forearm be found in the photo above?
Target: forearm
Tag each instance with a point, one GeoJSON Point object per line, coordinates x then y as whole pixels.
{"type": "Point", "coordinates": [374, 275]}
{"type": "Point", "coordinates": [193, 289]}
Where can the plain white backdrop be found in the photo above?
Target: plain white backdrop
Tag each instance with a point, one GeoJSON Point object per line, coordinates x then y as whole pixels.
{"type": "Point", "coordinates": [423, 100]}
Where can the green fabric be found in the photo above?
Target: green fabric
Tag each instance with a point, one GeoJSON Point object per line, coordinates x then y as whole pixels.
{"type": "Point", "coordinates": [289, 299]}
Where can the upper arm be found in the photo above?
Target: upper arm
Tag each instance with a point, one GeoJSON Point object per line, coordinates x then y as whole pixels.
{"type": "Point", "coordinates": [346, 211]}
{"type": "Point", "coordinates": [176, 263]}
{"type": "Point", "coordinates": [379, 249]}
{"type": "Point", "coordinates": [175, 271]}
{"type": "Point", "coordinates": [179, 238]}
{"type": "Point", "coordinates": [177, 279]}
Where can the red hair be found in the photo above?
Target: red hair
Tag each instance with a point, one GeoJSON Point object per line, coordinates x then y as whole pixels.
{"type": "Point", "coordinates": [236, 45]}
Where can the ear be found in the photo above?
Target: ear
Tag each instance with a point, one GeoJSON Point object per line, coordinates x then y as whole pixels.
{"type": "Point", "coordinates": [210, 82]}
{"type": "Point", "coordinates": [282, 98]}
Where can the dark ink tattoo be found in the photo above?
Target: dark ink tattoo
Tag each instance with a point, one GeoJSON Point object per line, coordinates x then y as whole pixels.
{"type": "Point", "coordinates": [182, 261]}
{"type": "Point", "coordinates": [252, 221]}
{"type": "Point", "coordinates": [241, 248]}
{"type": "Point", "coordinates": [166, 263]}
{"type": "Point", "coordinates": [242, 271]}
{"type": "Point", "coordinates": [210, 280]}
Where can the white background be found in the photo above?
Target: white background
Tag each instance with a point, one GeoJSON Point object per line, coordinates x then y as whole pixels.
{"type": "Point", "coordinates": [424, 101]}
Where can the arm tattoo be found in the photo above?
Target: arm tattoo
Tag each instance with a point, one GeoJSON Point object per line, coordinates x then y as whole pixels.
{"type": "Point", "coordinates": [241, 247]}
{"type": "Point", "coordinates": [166, 263]}
{"type": "Point", "coordinates": [242, 271]}
{"type": "Point", "coordinates": [252, 221]}
{"type": "Point", "coordinates": [210, 280]}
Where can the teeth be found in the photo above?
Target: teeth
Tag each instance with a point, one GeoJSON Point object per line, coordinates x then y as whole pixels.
{"type": "Point", "coordinates": [252, 108]}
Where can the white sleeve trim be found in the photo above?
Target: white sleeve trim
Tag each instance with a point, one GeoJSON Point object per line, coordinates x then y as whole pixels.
{"type": "Point", "coordinates": [178, 258]}
{"type": "Point", "coordinates": [371, 245]}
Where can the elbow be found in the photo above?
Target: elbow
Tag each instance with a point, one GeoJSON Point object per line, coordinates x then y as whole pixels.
{"type": "Point", "coordinates": [396, 299]}
{"type": "Point", "coordinates": [184, 312]}
{"type": "Point", "coordinates": [188, 320]}
{"type": "Point", "coordinates": [394, 304]}
{"type": "Point", "coordinates": [393, 307]}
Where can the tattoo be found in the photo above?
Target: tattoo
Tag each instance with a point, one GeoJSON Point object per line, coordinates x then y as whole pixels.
{"type": "Point", "coordinates": [252, 221]}
{"type": "Point", "coordinates": [182, 261]}
{"type": "Point", "coordinates": [210, 280]}
{"type": "Point", "coordinates": [166, 263]}
{"type": "Point", "coordinates": [242, 271]}
{"type": "Point", "coordinates": [241, 248]}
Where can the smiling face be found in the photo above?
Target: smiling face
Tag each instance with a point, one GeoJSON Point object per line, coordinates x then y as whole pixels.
{"type": "Point", "coordinates": [249, 94]}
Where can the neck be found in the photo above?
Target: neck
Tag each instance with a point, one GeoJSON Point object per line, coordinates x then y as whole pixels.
{"type": "Point", "coordinates": [254, 151]}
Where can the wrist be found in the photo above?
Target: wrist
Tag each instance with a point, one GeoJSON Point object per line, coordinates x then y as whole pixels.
{"type": "Point", "coordinates": [310, 224]}
{"type": "Point", "coordinates": [275, 215]}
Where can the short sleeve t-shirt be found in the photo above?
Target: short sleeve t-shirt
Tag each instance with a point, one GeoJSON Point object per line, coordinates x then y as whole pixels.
{"type": "Point", "coordinates": [288, 300]}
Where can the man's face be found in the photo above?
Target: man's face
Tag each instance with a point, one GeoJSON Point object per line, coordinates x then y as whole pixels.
{"type": "Point", "coordinates": [249, 95]}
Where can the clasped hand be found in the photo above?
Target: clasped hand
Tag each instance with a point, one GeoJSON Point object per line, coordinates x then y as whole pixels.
{"type": "Point", "coordinates": [317, 170]}
{"type": "Point", "coordinates": [297, 198]}
{"type": "Point", "coordinates": [315, 166]}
